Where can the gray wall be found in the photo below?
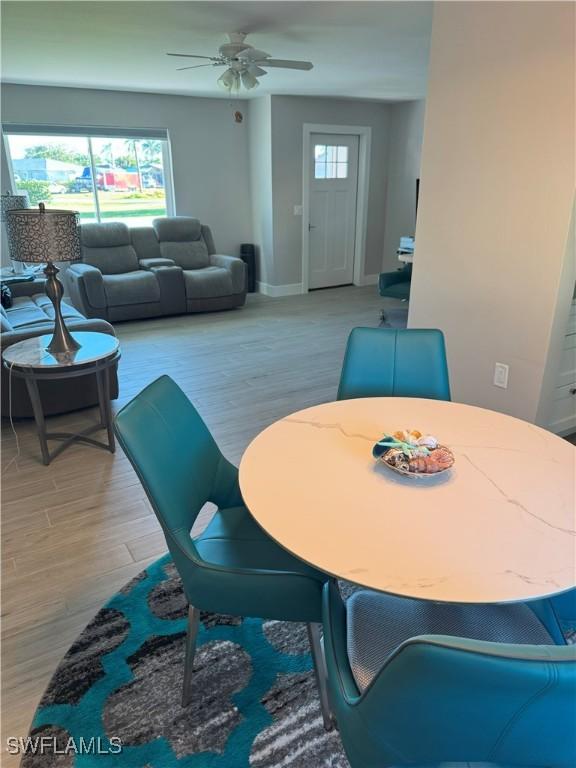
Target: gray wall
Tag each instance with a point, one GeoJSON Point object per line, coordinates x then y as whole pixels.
{"type": "Point", "coordinates": [404, 152]}
{"type": "Point", "coordinates": [245, 179]}
{"type": "Point", "coordinates": [289, 113]}
{"type": "Point", "coordinates": [209, 150]}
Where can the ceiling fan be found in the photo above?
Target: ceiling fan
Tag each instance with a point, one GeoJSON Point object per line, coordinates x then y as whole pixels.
{"type": "Point", "coordinates": [244, 63]}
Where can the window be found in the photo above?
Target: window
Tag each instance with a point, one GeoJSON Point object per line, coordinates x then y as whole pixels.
{"type": "Point", "coordinates": [330, 162]}
{"type": "Point", "coordinates": [104, 178]}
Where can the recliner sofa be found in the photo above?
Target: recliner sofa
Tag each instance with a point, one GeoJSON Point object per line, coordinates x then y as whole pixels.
{"type": "Point", "coordinates": [30, 315]}
{"type": "Point", "coordinates": [167, 269]}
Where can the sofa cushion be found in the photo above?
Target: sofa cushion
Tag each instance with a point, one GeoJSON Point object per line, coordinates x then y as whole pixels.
{"type": "Point", "coordinates": [208, 283]}
{"type": "Point", "coordinates": [145, 242]}
{"type": "Point", "coordinates": [138, 287]}
{"type": "Point", "coordinates": [108, 247]}
{"type": "Point", "coordinates": [181, 240]}
{"type": "Point", "coordinates": [193, 255]}
{"type": "Point", "coordinates": [29, 311]}
{"type": "Point", "coordinates": [177, 229]}
{"type": "Point", "coordinates": [107, 235]}
{"type": "Point", "coordinates": [111, 261]}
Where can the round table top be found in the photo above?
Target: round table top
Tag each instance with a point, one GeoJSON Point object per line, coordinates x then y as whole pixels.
{"type": "Point", "coordinates": [498, 527]}
{"type": "Point", "coordinates": [32, 353]}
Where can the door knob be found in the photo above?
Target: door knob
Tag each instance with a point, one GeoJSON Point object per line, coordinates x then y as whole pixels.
{"type": "Point", "coordinates": [311, 226]}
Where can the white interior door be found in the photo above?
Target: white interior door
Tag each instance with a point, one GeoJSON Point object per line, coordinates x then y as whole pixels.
{"type": "Point", "coordinates": [333, 179]}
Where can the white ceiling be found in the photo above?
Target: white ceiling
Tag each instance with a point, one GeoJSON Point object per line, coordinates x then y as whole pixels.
{"type": "Point", "coordinates": [373, 50]}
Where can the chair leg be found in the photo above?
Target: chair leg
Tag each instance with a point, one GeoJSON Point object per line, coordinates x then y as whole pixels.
{"type": "Point", "coordinates": [190, 650]}
{"type": "Point", "coordinates": [320, 673]}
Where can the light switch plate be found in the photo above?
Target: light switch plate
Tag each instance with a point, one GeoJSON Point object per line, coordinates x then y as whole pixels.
{"type": "Point", "coordinates": [298, 210]}
{"type": "Point", "coordinates": [501, 375]}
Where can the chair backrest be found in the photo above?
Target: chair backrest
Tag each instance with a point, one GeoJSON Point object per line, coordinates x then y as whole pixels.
{"type": "Point", "coordinates": [145, 242]}
{"type": "Point", "coordinates": [174, 454]}
{"type": "Point", "coordinates": [383, 362]}
{"type": "Point", "coordinates": [447, 699]}
{"type": "Point", "coordinates": [184, 240]}
{"type": "Point", "coordinates": [108, 247]}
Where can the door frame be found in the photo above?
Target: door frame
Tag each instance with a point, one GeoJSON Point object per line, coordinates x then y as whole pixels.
{"type": "Point", "coordinates": [364, 134]}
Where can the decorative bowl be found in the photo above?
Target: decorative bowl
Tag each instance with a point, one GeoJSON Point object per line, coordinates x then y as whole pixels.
{"type": "Point", "coordinates": [413, 454]}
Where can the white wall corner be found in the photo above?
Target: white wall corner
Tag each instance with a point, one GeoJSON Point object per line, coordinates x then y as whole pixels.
{"type": "Point", "coordinates": [277, 291]}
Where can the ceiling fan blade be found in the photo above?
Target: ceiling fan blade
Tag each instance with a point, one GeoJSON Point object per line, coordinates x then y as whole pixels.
{"type": "Point", "coordinates": [285, 64]}
{"type": "Point", "coordinates": [252, 54]}
{"type": "Point", "coordinates": [195, 66]}
{"type": "Point", "coordinates": [193, 56]}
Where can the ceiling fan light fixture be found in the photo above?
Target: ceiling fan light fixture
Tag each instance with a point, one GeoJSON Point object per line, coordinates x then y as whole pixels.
{"type": "Point", "coordinates": [255, 70]}
{"type": "Point", "coordinates": [229, 81]}
{"type": "Point", "coordinates": [249, 81]}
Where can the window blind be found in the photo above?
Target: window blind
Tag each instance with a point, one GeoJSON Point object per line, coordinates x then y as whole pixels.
{"type": "Point", "coordinates": [94, 131]}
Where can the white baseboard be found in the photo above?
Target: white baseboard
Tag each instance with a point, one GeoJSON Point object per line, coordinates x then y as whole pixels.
{"type": "Point", "coordinates": [276, 291]}
{"type": "Point", "coordinates": [369, 279]}
{"type": "Point", "coordinates": [294, 289]}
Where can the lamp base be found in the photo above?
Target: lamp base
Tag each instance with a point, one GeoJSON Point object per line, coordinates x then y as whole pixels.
{"type": "Point", "coordinates": [62, 341]}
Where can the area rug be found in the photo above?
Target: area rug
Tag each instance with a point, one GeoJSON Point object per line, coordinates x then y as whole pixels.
{"type": "Point", "coordinates": [114, 701]}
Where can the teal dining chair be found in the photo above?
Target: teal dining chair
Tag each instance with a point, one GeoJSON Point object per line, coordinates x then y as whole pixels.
{"type": "Point", "coordinates": [409, 362]}
{"type": "Point", "coordinates": [564, 606]}
{"type": "Point", "coordinates": [233, 567]}
{"type": "Point", "coordinates": [421, 683]}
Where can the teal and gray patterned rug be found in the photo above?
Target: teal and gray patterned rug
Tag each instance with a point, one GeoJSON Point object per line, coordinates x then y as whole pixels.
{"type": "Point", "coordinates": [114, 701]}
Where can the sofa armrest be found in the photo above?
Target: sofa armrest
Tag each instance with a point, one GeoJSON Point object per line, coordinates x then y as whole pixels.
{"type": "Point", "coordinates": [158, 262]}
{"type": "Point", "coordinates": [171, 283]}
{"type": "Point", "coordinates": [234, 265]}
{"type": "Point", "coordinates": [30, 288]}
{"type": "Point", "coordinates": [85, 287]}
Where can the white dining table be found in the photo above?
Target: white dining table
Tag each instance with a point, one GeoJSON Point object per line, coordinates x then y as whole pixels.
{"type": "Point", "coordinates": [498, 527]}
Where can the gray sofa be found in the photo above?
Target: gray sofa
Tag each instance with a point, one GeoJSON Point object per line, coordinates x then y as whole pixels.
{"type": "Point", "coordinates": [32, 315]}
{"type": "Point", "coordinates": [169, 268]}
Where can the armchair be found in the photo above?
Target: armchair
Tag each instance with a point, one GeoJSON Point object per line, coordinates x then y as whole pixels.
{"type": "Point", "coordinates": [396, 285]}
{"type": "Point", "coordinates": [109, 283]}
{"type": "Point", "coordinates": [211, 281]}
{"type": "Point", "coordinates": [31, 315]}
{"type": "Point", "coordinates": [415, 683]}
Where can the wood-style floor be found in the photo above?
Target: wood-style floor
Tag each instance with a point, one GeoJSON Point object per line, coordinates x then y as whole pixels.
{"type": "Point", "coordinates": [77, 530]}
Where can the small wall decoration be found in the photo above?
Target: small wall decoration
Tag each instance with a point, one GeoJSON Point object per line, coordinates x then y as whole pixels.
{"type": "Point", "coordinates": [238, 117]}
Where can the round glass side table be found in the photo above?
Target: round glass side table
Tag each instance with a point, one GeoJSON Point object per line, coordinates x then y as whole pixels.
{"type": "Point", "coordinates": [30, 360]}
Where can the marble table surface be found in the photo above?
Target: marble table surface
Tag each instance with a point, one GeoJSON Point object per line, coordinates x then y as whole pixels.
{"type": "Point", "coordinates": [32, 353]}
{"type": "Point", "coordinates": [498, 527]}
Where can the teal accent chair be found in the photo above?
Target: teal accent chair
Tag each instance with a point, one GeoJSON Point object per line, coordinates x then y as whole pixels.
{"type": "Point", "coordinates": [396, 285]}
{"type": "Point", "coordinates": [233, 567]}
{"type": "Point", "coordinates": [564, 606]}
{"type": "Point", "coordinates": [421, 683]}
{"type": "Point", "coordinates": [408, 362]}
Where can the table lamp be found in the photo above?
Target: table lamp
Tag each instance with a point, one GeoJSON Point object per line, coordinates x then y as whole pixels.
{"type": "Point", "coordinates": [9, 202]}
{"type": "Point", "coordinates": [44, 236]}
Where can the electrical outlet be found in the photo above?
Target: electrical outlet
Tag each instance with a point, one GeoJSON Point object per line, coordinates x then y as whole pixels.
{"type": "Point", "coordinates": [501, 375]}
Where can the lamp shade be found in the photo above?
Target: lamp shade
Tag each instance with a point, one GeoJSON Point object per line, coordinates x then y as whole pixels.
{"type": "Point", "coordinates": [10, 202]}
{"type": "Point", "coordinates": [41, 235]}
